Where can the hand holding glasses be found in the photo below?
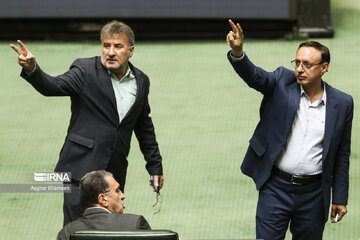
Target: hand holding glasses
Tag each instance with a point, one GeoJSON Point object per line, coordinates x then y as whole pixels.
{"type": "Point", "coordinates": [158, 204]}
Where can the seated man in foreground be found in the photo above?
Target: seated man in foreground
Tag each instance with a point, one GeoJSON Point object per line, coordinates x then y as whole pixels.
{"type": "Point", "coordinates": [102, 200]}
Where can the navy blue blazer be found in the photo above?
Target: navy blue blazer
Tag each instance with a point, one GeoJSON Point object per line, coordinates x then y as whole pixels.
{"type": "Point", "coordinates": [94, 123]}
{"type": "Point", "coordinates": [281, 97]}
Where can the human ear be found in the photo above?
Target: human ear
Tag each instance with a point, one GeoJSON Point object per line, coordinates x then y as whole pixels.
{"type": "Point", "coordinates": [102, 199]}
{"type": "Point", "coordinates": [325, 68]}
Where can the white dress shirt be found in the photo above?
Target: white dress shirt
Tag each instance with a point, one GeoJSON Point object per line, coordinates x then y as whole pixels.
{"type": "Point", "coordinates": [302, 154]}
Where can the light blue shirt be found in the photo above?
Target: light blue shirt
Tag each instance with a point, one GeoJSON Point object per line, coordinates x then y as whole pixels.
{"type": "Point", "coordinates": [125, 92]}
{"type": "Point", "coordinates": [302, 154]}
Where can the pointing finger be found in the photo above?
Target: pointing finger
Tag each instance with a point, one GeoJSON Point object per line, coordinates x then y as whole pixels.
{"type": "Point", "coordinates": [23, 47]}
{"type": "Point", "coordinates": [234, 28]}
{"type": "Point", "coordinates": [16, 49]}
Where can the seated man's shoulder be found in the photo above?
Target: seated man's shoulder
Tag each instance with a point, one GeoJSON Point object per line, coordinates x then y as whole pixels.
{"type": "Point", "coordinates": [130, 221]}
{"type": "Point", "coordinates": [125, 216]}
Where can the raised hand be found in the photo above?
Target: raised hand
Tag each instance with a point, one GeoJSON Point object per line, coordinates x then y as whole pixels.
{"type": "Point", "coordinates": [235, 39]}
{"type": "Point", "coordinates": [26, 59]}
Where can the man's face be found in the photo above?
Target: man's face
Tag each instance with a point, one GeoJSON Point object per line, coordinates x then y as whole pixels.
{"type": "Point", "coordinates": [116, 52]}
{"type": "Point", "coordinates": [114, 197]}
{"type": "Point", "coordinates": [306, 76]}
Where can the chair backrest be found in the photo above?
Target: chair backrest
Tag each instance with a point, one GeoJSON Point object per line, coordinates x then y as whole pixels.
{"type": "Point", "coordinates": [124, 235]}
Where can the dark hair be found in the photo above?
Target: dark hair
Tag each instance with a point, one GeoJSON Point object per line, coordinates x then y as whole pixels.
{"type": "Point", "coordinates": [325, 53]}
{"type": "Point", "coordinates": [91, 185]}
{"type": "Point", "coordinates": [116, 27]}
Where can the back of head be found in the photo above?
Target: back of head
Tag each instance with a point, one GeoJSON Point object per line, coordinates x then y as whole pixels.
{"type": "Point", "coordinates": [116, 27]}
{"type": "Point", "coordinates": [325, 52]}
{"type": "Point", "coordinates": [91, 185]}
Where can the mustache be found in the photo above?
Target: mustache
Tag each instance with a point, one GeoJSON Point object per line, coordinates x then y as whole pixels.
{"type": "Point", "coordinates": [300, 76]}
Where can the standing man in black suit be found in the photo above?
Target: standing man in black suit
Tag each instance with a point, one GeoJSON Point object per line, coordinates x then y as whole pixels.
{"type": "Point", "coordinates": [102, 199]}
{"type": "Point", "coordinates": [109, 100]}
{"type": "Point", "coordinates": [299, 153]}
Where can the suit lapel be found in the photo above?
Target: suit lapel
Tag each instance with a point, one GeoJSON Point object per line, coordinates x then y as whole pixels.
{"type": "Point", "coordinates": [330, 119]}
{"type": "Point", "coordinates": [105, 81]}
{"type": "Point", "coordinates": [293, 105]}
{"type": "Point", "coordinates": [139, 90]}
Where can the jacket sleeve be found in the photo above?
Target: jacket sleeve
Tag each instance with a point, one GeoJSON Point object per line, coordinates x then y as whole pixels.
{"type": "Point", "coordinates": [340, 184]}
{"type": "Point", "coordinates": [145, 133]}
{"type": "Point", "coordinates": [67, 84]}
{"type": "Point", "coordinates": [254, 76]}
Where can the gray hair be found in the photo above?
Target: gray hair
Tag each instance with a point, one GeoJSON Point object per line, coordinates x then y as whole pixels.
{"type": "Point", "coordinates": [91, 185]}
{"type": "Point", "coordinates": [117, 27]}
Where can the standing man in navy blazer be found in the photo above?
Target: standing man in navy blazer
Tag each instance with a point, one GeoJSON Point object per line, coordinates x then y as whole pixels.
{"type": "Point", "coordinates": [300, 149]}
{"type": "Point", "coordinates": [109, 100]}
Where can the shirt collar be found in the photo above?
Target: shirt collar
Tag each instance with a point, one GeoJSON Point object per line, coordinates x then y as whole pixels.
{"type": "Point", "coordinates": [321, 100]}
{"type": "Point", "coordinates": [128, 74]}
{"type": "Point", "coordinates": [100, 208]}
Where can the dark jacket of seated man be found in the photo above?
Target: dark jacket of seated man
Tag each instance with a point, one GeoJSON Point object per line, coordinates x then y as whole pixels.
{"type": "Point", "coordinates": [102, 199]}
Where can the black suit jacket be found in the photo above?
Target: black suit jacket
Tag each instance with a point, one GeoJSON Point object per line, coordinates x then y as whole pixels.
{"type": "Point", "coordinates": [100, 219]}
{"type": "Point", "coordinates": [277, 113]}
{"type": "Point", "coordinates": [94, 125]}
